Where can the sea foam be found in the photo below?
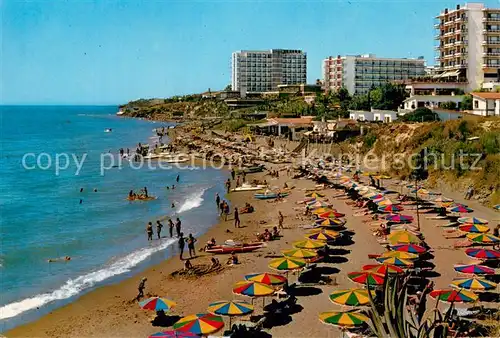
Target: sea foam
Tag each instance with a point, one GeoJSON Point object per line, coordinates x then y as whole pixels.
{"type": "Point", "coordinates": [193, 201]}
{"type": "Point", "coordinates": [74, 286]}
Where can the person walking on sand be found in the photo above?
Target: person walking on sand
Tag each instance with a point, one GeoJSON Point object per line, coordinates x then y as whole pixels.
{"type": "Point", "coordinates": [280, 220]}
{"type": "Point", "coordinates": [228, 185]}
{"type": "Point", "coordinates": [149, 231]}
{"type": "Point", "coordinates": [171, 227]}
{"type": "Point", "coordinates": [178, 225]}
{"type": "Point", "coordinates": [238, 181]}
{"type": "Point", "coordinates": [226, 211]}
{"type": "Point", "coordinates": [181, 243]}
{"type": "Point", "coordinates": [141, 287]}
{"type": "Point", "coordinates": [191, 240]}
{"type": "Point", "coordinates": [236, 218]}
{"type": "Point", "coordinates": [222, 206]}
{"type": "Point", "coordinates": [217, 200]}
{"type": "Point", "coordinates": [159, 226]}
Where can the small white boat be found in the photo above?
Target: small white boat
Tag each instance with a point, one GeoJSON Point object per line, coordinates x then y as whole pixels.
{"type": "Point", "coordinates": [169, 158]}
{"type": "Point", "coordinates": [120, 112]}
{"type": "Point", "coordinates": [108, 130]}
{"type": "Point", "coordinates": [248, 187]}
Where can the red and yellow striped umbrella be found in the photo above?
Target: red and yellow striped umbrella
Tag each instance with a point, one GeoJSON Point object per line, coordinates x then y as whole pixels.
{"type": "Point", "coordinates": [266, 278]}
{"type": "Point", "coordinates": [382, 269]}
{"type": "Point", "coordinates": [200, 324]}
{"type": "Point", "coordinates": [399, 254]}
{"type": "Point", "coordinates": [364, 277]}
{"type": "Point", "coordinates": [452, 295]}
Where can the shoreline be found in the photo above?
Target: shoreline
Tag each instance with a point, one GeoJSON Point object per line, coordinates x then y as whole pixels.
{"type": "Point", "coordinates": [110, 311]}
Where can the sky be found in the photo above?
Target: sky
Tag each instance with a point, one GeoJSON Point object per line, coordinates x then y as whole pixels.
{"type": "Point", "coordinates": [111, 51]}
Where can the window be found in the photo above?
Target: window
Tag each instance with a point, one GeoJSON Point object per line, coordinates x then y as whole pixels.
{"type": "Point", "coordinates": [476, 104]}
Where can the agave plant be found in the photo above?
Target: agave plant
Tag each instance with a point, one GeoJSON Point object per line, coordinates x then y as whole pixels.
{"type": "Point", "coordinates": [396, 318]}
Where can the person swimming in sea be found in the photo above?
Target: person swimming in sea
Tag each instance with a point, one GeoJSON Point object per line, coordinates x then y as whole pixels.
{"type": "Point", "coordinates": [62, 259]}
{"type": "Point", "coordinates": [173, 205]}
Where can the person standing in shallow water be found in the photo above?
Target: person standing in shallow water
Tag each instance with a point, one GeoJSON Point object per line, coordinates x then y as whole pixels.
{"type": "Point", "coordinates": [217, 200]}
{"type": "Point", "coordinates": [149, 231]}
{"type": "Point", "coordinates": [171, 227]}
{"type": "Point", "coordinates": [228, 185]}
{"type": "Point", "coordinates": [159, 226]}
{"type": "Point", "coordinates": [178, 225]}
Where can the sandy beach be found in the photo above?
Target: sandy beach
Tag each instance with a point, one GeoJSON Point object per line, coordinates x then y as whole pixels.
{"type": "Point", "coordinates": [111, 311]}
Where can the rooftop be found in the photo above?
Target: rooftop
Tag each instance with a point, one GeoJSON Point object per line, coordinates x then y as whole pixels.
{"type": "Point", "coordinates": [487, 95]}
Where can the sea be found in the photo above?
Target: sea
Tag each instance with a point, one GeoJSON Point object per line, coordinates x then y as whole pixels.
{"type": "Point", "coordinates": [47, 155]}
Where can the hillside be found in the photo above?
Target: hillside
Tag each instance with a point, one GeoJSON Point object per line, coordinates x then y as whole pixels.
{"type": "Point", "coordinates": [451, 149]}
{"type": "Point", "coordinates": [193, 106]}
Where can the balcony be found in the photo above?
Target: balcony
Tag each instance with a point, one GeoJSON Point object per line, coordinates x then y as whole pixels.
{"type": "Point", "coordinates": [486, 19]}
{"type": "Point", "coordinates": [458, 43]}
{"type": "Point", "coordinates": [491, 31]}
{"type": "Point", "coordinates": [450, 33]}
{"type": "Point", "coordinates": [491, 54]}
{"type": "Point", "coordinates": [491, 42]}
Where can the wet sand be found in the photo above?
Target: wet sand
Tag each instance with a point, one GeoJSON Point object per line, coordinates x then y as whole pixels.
{"type": "Point", "coordinates": [109, 311]}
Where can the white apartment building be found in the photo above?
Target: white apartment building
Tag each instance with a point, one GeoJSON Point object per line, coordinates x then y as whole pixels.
{"type": "Point", "coordinates": [262, 71]}
{"type": "Point", "coordinates": [359, 73]}
{"type": "Point", "coordinates": [469, 44]}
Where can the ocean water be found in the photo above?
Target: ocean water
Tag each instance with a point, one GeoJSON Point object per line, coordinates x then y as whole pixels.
{"type": "Point", "coordinates": [41, 216]}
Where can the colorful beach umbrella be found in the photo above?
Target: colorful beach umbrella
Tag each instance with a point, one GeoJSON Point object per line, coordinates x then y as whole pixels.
{"type": "Point", "coordinates": [452, 295]}
{"type": "Point", "coordinates": [394, 261]}
{"type": "Point", "coordinates": [443, 199]}
{"type": "Point", "coordinates": [460, 209]}
{"type": "Point", "coordinates": [157, 304]}
{"type": "Point", "coordinates": [252, 289]}
{"type": "Point", "coordinates": [392, 208]}
{"type": "Point", "coordinates": [351, 297]}
{"type": "Point", "coordinates": [329, 222]}
{"type": "Point", "coordinates": [321, 210]}
{"type": "Point", "coordinates": [314, 194]}
{"type": "Point", "coordinates": [483, 253]}
{"type": "Point", "coordinates": [331, 214]}
{"type": "Point", "coordinates": [412, 248]}
{"type": "Point", "coordinates": [476, 228]}
{"type": "Point", "coordinates": [364, 277]}
{"type": "Point", "coordinates": [475, 269]}
{"type": "Point", "coordinates": [344, 319]}
{"type": "Point", "coordinates": [173, 334]}
{"type": "Point", "coordinates": [483, 238]}
{"type": "Point", "coordinates": [473, 283]}
{"type": "Point", "coordinates": [323, 236]}
{"type": "Point", "coordinates": [309, 244]}
{"type": "Point", "coordinates": [300, 253]}
{"type": "Point", "coordinates": [287, 263]}
{"type": "Point", "coordinates": [399, 254]}
{"type": "Point", "coordinates": [266, 278]}
{"type": "Point", "coordinates": [382, 269]}
{"type": "Point", "coordinates": [472, 220]}
{"type": "Point", "coordinates": [375, 196]}
{"type": "Point", "coordinates": [230, 308]}
{"type": "Point", "coordinates": [318, 204]}
{"type": "Point", "coordinates": [403, 237]}
{"type": "Point", "coordinates": [199, 324]}
{"type": "Point", "coordinates": [396, 218]}
{"type": "Point", "coordinates": [385, 202]}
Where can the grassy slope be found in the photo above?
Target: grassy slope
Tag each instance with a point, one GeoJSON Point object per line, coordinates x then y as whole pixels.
{"type": "Point", "coordinates": [442, 140]}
